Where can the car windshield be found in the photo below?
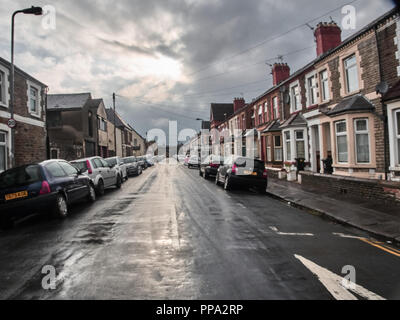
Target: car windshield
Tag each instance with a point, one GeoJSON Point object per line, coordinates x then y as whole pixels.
{"type": "Point", "coordinates": [21, 176]}
{"type": "Point", "coordinates": [81, 165]}
{"type": "Point", "coordinates": [112, 162]}
{"type": "Point", "coordinates": [129, 160]}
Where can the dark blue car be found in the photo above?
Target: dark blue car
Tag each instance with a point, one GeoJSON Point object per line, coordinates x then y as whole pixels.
{"type": "Point", "coordinates": [50, 186]}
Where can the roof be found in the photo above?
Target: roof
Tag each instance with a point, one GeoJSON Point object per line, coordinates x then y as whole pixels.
{"type": "Point", "coordinates": [296, 120]}
{"type": "Point", "coordinates": [205, 125]}
{"type": "Point", "coordinates": [273, 127]}
{"type": "Point", "coordinates": [67, 101]}
{"type": "Point", "coordinates": [23, 73]}
{"type": "Point", "coordinates": [393, 93]}
{"type": "Point", "coordinates": [220, 111]}
{"type": "Point", "coordinates": [111, 116]}
{"type": "Point", "coordinates": [94, 103]}
{"type": "Point", "coordinates": [355, 103]}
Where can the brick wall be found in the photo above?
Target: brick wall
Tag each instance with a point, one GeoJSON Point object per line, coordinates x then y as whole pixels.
{"type": "Point", "coordinates": [384, 192]}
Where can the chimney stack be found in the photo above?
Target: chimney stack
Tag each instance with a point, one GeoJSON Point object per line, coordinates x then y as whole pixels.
{"type": "Point", "coordinates": [238, 104]}
{"type": "Point", "coordinates": [280, 72]}
{"type": "Point", "coordinates": [328, 35]}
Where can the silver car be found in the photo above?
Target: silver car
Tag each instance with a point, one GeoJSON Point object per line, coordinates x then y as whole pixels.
{"type": "Point", "coordinates": [101, 173]}
{"type": "Point", "coordinates": [119, 165]}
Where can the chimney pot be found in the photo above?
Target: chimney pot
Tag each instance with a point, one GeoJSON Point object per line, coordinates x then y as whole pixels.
{"type": "Point", "coordinates": [328, 35]}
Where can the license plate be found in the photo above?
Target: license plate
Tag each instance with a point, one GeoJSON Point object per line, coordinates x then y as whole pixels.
{"type": "Point", "coordinates": [250, 173]}
{"type": "Point", "coordinates": [17, 195]}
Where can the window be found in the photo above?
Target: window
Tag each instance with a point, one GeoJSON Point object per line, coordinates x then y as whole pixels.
{"type": "Point", "coordinates": [69, 170]}
{"type": "Point", "coordinates": [278, 151]}
{"type": "Point", "coordinates": [269, 152]}
{"type": "Point", "coordinates": [312, 91]}
{"type": "Point", "coordinates": [398, 135]}
{"type": "Point", "coordinates": [135, 142]}
{"type": "Point", "coordinates": [276, 107]}
{"type": "Point", "coordinates": [97, 163]}
{"type": "Point", "coordinates": [54, 154]}
{"type": "Point", "coordinates": [260, 115]}
{"type": "Point", "coordinates": [253, 119]}
{"type": "Point", "coordinates": [326, 95]}
{"type": "Point", "coordinates": [341, 142]}
{"type": "Point", "coordinates": [3, 151]}
{"type": "Point", "coordinates": [362, 141]}
{"type": "Point", "coordinates": [300, 145]}
{"type": "Point", "coordinates": [2, 88]}
{"type": "Point", "coordinates": [295, 99]}
{"type": "Point", "coordinates": [351, 72]}
{"type": "Point", "coordinates": [103, 124]}
{"type": "Point", "coordinates": [55, 170]}
{"type": "Point", "coordinates": [33, 100]}
{"type": "Point", "coordinates": [288, 146]}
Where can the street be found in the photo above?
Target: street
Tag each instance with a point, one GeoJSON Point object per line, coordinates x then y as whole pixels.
{"type": "Point", "coordinates": [170, 234]}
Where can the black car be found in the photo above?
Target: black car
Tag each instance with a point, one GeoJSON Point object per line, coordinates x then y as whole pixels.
{"type": "Point", "coordinates": [132, 166]}
{"type": "Point", "coordinates": [245, 172]}
{"type": "Point", "coordinates": [50, 186]}
{"type": "Point", "coordinates": [209, 167]}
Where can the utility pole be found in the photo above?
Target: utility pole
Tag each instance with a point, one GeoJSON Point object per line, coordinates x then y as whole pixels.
{"type": "Point", "coordinates": [115, 128]}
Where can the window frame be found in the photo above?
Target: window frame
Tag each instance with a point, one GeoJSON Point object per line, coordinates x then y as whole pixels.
{"type": "Point", "coordinates": [269, 149]}
{"type": "Point", "coordinates": [288, 145]}
{"type": "Point", "coordinates": [5, 145]}
{"type": "Point", "coordinates": [397, 136]}
{"type": "Point", "coordinates": [295, 99]}
{"type": "Point", "coordinates": [5, 103]}
{"type": "Point", "coordinates": [278, 148]}
{"type": "Point", "coordinates": [312, 90]}
{"type": "Point", "coordinates": [297, 140]}
{"type": "Point", "coordinates": [275, 107]}
{"type": "Point", "coordinates": [260, 114]}
{"type": "Point", "coordinates": [346, 73]}
{"type": "Point", "coordinates": [324, 81]}
{"type": "Point", "coordinates": [341, 134]}
{"type": "Point", "coordinates": [363, 132]}
{"type": "Point", "coordinates": [30, 86]}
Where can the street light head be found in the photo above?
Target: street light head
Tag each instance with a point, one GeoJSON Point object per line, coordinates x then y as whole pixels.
{"type": "Point", "coordinates": [37, 11]}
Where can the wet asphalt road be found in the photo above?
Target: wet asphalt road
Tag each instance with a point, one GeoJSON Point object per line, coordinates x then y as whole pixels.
{"type": "Point", "coordinates": [170, 234]}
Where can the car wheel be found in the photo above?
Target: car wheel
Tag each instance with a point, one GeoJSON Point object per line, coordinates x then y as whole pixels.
{"type": "Point", "coordinates": [205, 175]}
{"type": "Point", "coordinates": [217, 179]}
{"type": "Point", "coordinates": [61, 207]}
{"type": "Point", "coordinates": [100, 188]}
{"type": "Point", "coordinates": [92, 194]}
{"type": "Point", "coordinates": [227, 183]}
{"type": "Point", "coordinates": [119, 182]}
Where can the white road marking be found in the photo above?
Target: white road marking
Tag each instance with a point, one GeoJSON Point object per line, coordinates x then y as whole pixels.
{"type": "Point", "coordinates": [347, 236]}
{"type": "Point", "coordinates": [275, 229]}
{"type": "Point", "coordinates": [174, 229]}
{"type": "Point", "coordinates": [241, 205]}
{"type": "Point", "coordinates": [334, 283]}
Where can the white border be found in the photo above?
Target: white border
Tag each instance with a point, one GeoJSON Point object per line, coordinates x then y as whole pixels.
{"type": "Point", "coordinates": [30, 84]}
{"type": "Point", "coordinates": [5, 128]}
{"type": "Point", "coordinates": [7, 76]}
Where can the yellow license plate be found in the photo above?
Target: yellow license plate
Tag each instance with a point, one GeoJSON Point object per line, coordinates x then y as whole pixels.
{"type": "Point", "coordinates": [17, 195]}
{"type": "Point", "coordinates": [250, 173]}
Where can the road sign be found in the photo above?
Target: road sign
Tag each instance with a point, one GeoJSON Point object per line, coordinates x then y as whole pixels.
{"type": "Point", "coordinates": [12, 123]}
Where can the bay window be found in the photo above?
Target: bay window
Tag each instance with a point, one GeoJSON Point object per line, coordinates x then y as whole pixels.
{"type": "Point", "coordinates": [325, 86]}
{"type": "Point", "coordinates": [300, 145]}
{"type": "Point", "coordinates": [341, 142]}
{"type": "Point", "coordinates": [3, 151]}
{"type": "Point", "coordinates": [351, 74]}
{"type": "Point", "coordinates": [288, 146]}
{"type": "Point", "coordinates": [312, 91]}
{"type": "Point", "coordinates": [278, 152]}
{"type": "Point", "coordinates": [362, 140]}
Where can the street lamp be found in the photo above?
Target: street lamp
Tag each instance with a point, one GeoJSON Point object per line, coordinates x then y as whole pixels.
{"type": "Point", "coordinates": [37, 11]}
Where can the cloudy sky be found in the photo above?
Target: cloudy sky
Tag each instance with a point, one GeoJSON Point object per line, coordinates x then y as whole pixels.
{"type": "Point", "coordinates": [169, 59]}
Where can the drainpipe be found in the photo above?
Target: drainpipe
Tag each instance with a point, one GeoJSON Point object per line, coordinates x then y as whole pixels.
{"type": "Point", "coordinates": [384, 109]}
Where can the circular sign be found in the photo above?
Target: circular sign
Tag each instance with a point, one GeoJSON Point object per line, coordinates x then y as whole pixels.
{"type": "Point", "coordinates": [12, 123]}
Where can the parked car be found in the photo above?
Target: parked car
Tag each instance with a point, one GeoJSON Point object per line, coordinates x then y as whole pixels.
{"type": "Point", "coordinates": [101, 173]}
{"type": "Point", "coordinates": [50, 186]}
{"type": "Point", "coordinates": [245, 172]}
{"type": "Point", "coordinates": [209, 167]}
{"type": "Point", "coordinates": [181, 158]}
{"type": "Point", "coordinates": [149, 161]}
{"type": "Point", "coordinates": [132, 166]}
{"type": "Point", "coordinates": [194, 162]}
{"type": "Point", "coordinates": [119, 165]}
{"type": "Point", "coordinates": [142, 163]}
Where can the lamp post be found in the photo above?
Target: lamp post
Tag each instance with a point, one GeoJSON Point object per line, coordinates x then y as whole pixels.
{"type": "Point", "coordinates": [37, 11]}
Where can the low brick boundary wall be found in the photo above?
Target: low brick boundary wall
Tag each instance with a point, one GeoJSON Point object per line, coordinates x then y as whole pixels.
{"type": "Point", "coordinates": [384, 192]}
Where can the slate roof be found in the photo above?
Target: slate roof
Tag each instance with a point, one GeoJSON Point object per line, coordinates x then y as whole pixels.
{"type": "Point", "coordinates": [94, 103]}
{"type": "Point", "coordinates": [393, 93]}
{"type": "Point", "coordinates": [354, 103]}
{"type": "Point", "coordinates": [273, 127]}
{"type": "Point", "coordinates": [296, 120]}
{"type": "Point", "coordinates": [218, 111]}
{"type": "Point", "coordinates": [67, 101]}
{"type": "Point", "coordinates": [110, 117]}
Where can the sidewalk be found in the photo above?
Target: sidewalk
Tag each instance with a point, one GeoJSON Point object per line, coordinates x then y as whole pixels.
{"type": "Point", "coordinates": [362, 216]}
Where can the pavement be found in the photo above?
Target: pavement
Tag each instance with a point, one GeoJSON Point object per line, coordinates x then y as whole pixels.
{"type": "Point", "coordinates": [170, 234]}
{"type": "Point", "coordinates": [384, 223]}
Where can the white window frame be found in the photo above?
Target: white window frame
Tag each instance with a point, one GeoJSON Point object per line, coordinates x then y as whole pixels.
{"type": "Point", "coordinates": [312, 90]}
{"type": "Point", "coordinates": [346, 77]}
{"type": "Point", "coordinates": [295, 100]}
{"type": "Point", "coordinates": [363, 132]}
{"type": "Point", "coordinates": [260, 114]}
{"type": "Point", "coordinates": [275, 107]}
{"type": "Point", "coordinates": [269, 149]}
{"type": "Point", "coordinates": [266, 112]}
{"type": "Point", "coordinates": [4, 128]}
{"type": "Point", "coordinates": [5, 104]}
{"type": "Point", "coordinates": [288, 142]}
{"type": "Point", "coordinates": [397, 137]}
{"type": "Point", "coordinates": [340, 134]}
{"type": "Point", "coordinates": [325, 96]}
{"type": "Point", "coordinates": [30, 85]}
{"type": "Point", "coordinates": [278, 148]}
{"type": "Point", "coordinates": [297, 140]}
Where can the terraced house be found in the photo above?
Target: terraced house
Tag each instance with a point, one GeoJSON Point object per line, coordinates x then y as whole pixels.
{"type": "Point", "coordinates": [30, 114]}
{"type": "Point", "coordinates": [335, 115]}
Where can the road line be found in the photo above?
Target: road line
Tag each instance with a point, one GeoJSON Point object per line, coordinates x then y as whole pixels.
{"type": "Point", "coordinates": [334, 283]}
{"type": "Point", "coordinates": [291, 234]}
{"type": "Point", "coordinates": [381, 247]}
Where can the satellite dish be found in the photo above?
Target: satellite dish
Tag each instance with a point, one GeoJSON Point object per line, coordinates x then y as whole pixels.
{"type": "Point", "coordinates": [286, 99]}
{"type": "Point", "coordinates": [382, 88]}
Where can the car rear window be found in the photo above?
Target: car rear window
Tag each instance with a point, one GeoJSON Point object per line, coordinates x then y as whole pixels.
{"type": "Point", "coordinates": [21, 176]}
{"type": "Point", "coordinates": [55, 170]}
{"type": "Point", "coordinates": [82, 165]}
{"type": "Point", "coordinates": [249, 163]}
